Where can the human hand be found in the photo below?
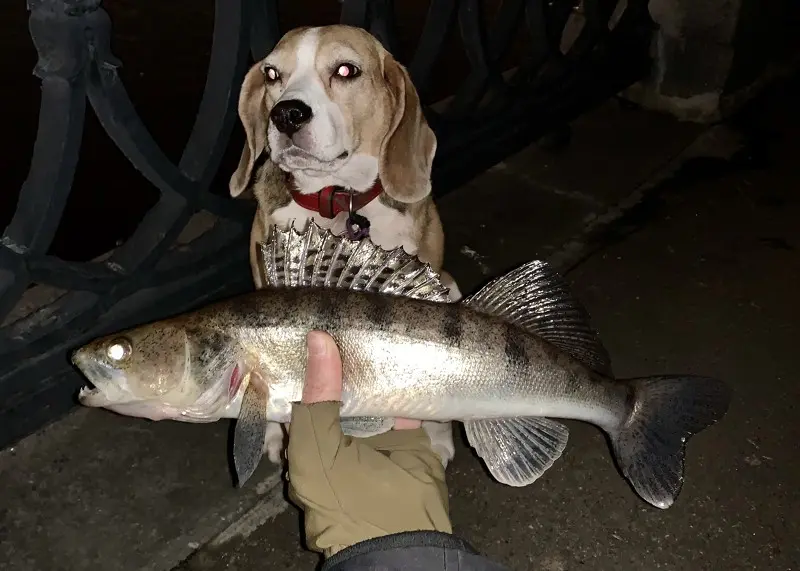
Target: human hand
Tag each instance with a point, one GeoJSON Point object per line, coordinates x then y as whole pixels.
{"type": "Point", "coordinates": [355, 489]}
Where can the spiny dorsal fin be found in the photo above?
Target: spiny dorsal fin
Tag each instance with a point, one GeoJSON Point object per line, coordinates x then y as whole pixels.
{"type": "Point", "coordinates": [316, 257]}
{"type": "Point", "coordinates": [536, 298]}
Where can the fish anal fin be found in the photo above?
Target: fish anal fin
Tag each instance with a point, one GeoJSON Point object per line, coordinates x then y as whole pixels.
{"type": "Point", "coordinates": [251, 427]}
{"type": "Point", "coordinates": [517, 451]}
{"type": "Point", "coordinates": [534, 297]}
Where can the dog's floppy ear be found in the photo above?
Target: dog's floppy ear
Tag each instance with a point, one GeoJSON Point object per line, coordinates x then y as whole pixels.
{"type": "Point", "coordinates": [410, 144]}
{"type": "Point", "coordinates": [253, 114]}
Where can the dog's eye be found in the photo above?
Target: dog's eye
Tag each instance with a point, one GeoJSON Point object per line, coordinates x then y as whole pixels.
{"type": "Point", "coordinates": [347, 71]}
{"type": "Point", "coordinates": [271, 74]}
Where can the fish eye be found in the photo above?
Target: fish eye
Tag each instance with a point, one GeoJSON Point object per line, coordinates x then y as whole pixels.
{"type": "Point", "coordinates": [347, 71]}
{"type": "Point", "coordinates": [119, 349]}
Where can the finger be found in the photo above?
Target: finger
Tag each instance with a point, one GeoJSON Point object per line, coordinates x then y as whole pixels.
{"type": "Point", "coordinates": [315, 434]}
{"type": "Point", "coordinates": [323, 369]}
{"type": "Point", "coordinates": [406, 424]}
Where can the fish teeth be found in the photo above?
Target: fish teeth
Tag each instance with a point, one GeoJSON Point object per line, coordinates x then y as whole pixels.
{"type": "Point", "coordinates": [87, 392]}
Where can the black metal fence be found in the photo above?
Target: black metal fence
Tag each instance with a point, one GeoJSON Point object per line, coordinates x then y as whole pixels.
{"type": "Point", "coordinates": [49, 305]}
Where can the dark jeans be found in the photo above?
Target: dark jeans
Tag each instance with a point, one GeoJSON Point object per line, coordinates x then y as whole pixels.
{"type": "Point", "coordinates": [411, 551]}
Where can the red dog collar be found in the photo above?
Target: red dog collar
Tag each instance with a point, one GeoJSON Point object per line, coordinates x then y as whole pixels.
{"type": "Point", "coordinates": [333, 200]}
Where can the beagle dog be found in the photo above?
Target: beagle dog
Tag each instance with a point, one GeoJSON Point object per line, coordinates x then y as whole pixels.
{"type": "Point", "coordinates": [334, 126]}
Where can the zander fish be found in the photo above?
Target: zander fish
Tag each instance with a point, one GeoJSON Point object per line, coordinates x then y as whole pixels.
{"type": "Point", "coordinates": [505, 362]}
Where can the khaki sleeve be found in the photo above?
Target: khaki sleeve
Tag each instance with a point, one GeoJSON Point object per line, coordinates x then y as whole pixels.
{"type": "Point", "coordinates": [356, 489]}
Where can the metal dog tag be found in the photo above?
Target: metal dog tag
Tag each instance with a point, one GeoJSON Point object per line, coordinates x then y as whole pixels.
{"type": "Point", "coordinates": [357, 226]}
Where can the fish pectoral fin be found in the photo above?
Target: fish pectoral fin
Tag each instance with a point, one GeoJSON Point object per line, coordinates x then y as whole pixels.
{"type": "Point", "coordinates": [365, 426]}
{"type": "Point", "coordinates": [251, 428]}
{"type": "Point", "coordinates": [517, 451]}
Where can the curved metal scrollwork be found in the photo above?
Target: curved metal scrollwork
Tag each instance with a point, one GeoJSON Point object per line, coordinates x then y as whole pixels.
{"type": "Point", "coordinates": [48, 305]}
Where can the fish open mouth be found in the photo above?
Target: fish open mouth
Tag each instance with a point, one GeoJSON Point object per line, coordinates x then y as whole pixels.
{"type": "Point", "coordinates": [99, 382]}
{"type": "Point", "coordinates": [88, 390]}
{"type": "Point", "coordinates": [92, 396]}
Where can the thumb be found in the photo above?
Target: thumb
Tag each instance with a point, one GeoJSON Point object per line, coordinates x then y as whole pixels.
{"type": "Point", "coordinates": [323, 369]}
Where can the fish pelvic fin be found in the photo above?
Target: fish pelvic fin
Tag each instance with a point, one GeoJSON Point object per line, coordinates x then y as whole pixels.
{"type": "Point", "coordinates": [251, 427]}
{"type": "Point", "coordinates": [534, 297]}
{"type": "Point", "coordinates": [366, 426]}
{"type": "Point", "coordinates": [650, 444]}
{"type": "Point", "coordinates": [517, 451]}
{"type": "Point", "coordinates": [316, 257]}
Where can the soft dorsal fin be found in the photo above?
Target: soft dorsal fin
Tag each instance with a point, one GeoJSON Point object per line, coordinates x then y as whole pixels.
{"type": "Point", "coordinates": [316, 257]}
{"type": "Point", "coordinates": [536, 298]}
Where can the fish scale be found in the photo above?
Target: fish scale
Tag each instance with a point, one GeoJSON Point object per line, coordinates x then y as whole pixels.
{"type": "Point", "coordinates": [506, 362]}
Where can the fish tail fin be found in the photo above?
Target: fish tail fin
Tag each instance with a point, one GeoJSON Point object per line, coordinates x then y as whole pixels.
{"type": "Point", "coordinates": [650, 444]}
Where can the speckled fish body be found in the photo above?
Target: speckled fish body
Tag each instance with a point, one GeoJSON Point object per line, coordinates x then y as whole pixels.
{"type": "Point", "coordinates": [410, 358]}
{"type": "Point", "coordinates": [505, 362]}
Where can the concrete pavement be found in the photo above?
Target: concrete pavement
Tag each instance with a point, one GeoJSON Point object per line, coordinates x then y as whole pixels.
{"type": "Point", "coordinates": [695, 273]}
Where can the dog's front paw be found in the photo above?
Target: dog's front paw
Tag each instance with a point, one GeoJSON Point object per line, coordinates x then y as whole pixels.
{"type": "Point", "coordinates": [273, 442]}
{"type": "Point", "coordinates": [448, 282]}
{"type": "Point", "coordinates": [441, 435]}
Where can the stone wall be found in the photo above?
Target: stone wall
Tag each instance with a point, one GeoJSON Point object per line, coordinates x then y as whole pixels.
{"type": "Point", "coordinates": [711, 56]}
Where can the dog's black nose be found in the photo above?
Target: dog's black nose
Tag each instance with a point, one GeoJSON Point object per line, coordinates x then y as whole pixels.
{"type": "Point", "coordinates": [288, 116]}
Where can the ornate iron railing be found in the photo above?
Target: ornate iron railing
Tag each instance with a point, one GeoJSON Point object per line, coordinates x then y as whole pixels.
{"type": "Point", "coordinates": [49, 305]}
